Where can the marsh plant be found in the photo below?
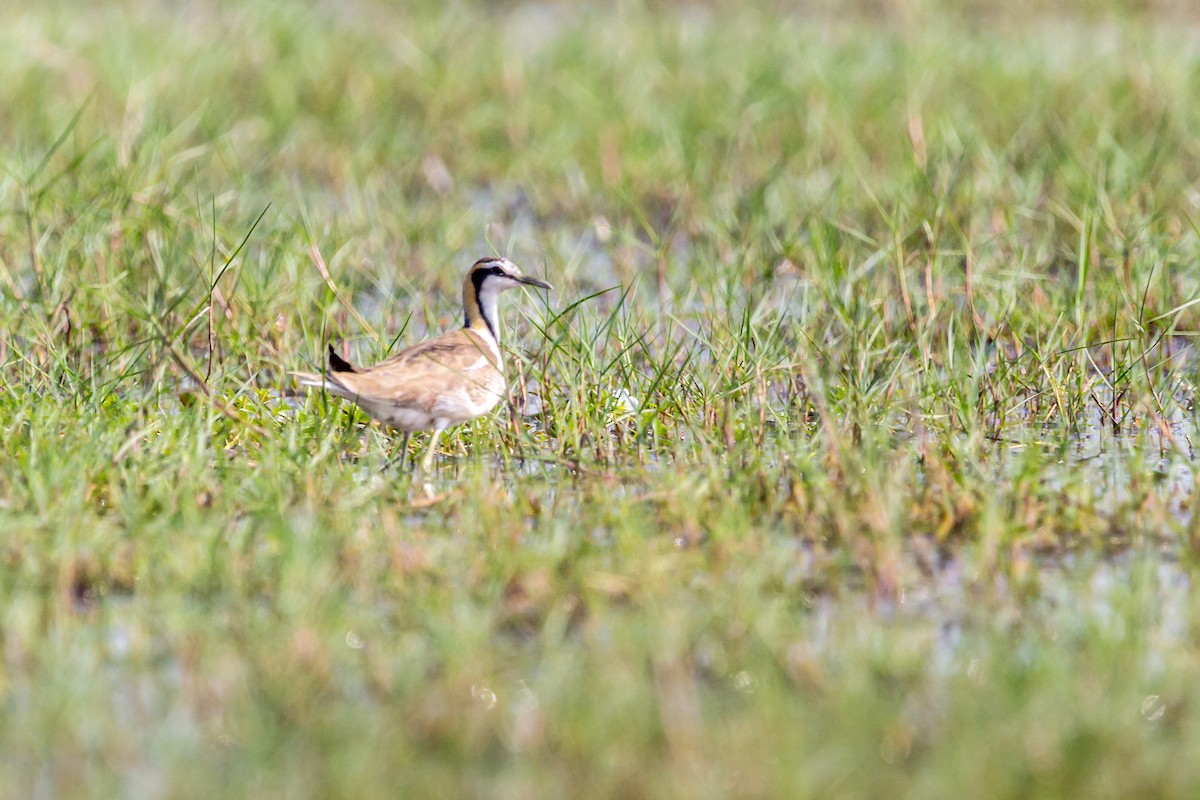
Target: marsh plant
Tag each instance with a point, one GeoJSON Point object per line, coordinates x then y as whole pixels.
{"type": "Point", "coordinates": [852, 456]}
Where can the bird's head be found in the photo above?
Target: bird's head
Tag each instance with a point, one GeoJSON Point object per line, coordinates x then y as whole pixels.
{"type": "Point", "coordinates": [487, 278]}
{"type": "Point", "coordinates": [500, 274]}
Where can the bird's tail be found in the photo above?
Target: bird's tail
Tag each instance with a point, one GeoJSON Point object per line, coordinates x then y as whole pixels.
{"type": "Point", "coordinates": [329, 381]}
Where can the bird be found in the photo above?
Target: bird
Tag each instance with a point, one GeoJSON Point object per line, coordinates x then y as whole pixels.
{"type": "Point", "coordinates": [441, 382]}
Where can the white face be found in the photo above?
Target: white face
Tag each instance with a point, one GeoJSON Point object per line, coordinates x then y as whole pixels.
{"type": "Point", "coordinates": [511, 277]}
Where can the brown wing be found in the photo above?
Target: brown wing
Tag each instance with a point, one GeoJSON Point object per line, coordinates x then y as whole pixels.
{"type": "Point", "coordinates": [416, 375]}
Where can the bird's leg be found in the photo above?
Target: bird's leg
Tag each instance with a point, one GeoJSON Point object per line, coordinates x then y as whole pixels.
{"type": "Point", "coordinates": [427, 461]}
{"type": "Point", "coordinates": [401, 456]}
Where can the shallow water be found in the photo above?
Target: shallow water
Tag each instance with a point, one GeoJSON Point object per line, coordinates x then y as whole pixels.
{"type": "Point", "coordinates": [1111, 459]}
{"type": "Point", "coordinates": [952, 609]}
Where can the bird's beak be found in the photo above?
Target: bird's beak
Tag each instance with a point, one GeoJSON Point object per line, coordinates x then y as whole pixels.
{"type": "Point", "coordinates": [535, 282]}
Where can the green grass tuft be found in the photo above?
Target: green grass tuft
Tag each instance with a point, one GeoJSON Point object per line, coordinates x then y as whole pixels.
{"type": "Point", "coordinates": [851, 457]}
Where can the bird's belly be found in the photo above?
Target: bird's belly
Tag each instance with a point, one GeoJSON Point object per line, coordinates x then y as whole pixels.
{"type": "Point", "coordinates": [399, 417]}
{"type": "Point", "coordinates": [450, 407]}
{"type": "Point", "coordinates": [471, 400]}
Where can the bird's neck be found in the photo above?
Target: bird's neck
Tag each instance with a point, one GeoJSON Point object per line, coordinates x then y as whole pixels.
{"type": "Point", "coordinates": [479, 309]}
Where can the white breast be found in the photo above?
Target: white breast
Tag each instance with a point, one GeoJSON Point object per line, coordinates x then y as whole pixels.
{"type": "Point", "coordinates": [475, 397]}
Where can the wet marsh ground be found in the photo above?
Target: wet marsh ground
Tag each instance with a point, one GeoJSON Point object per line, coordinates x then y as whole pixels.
{"type": "Point", "coordinates": [852, 457]}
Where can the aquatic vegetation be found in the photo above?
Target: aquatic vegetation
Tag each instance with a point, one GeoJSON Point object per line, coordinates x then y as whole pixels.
{"type": "Point", "coordinates": [851, 456]}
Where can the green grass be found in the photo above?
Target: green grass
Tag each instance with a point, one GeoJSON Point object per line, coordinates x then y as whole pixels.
{"type": "Point", "coordinates": [855, 454]}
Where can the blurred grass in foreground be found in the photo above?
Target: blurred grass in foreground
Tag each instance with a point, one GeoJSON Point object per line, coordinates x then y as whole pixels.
{"type": "Point", "coordinates": [841, 464]}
